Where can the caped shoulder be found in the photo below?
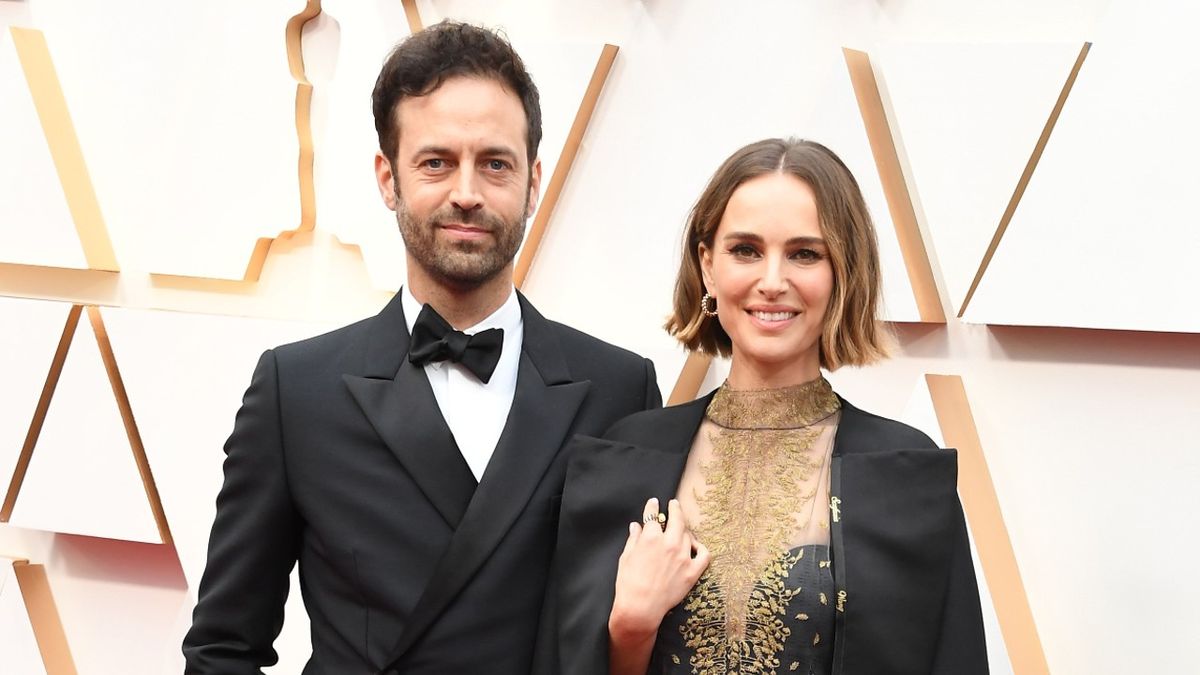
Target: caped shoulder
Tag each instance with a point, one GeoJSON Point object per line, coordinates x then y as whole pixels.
{"type": "Point", "coordinates": [861, 431]}
{"type": "Point", "coordinates": [663, 427]}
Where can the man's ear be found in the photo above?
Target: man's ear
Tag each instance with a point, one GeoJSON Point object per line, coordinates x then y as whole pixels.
{"type": "Point", "coordinates": [385, 180]}
{"type": "Point", "coordinates": [706, 264]}
{"type": "Point", "coordinates": [535, 186]}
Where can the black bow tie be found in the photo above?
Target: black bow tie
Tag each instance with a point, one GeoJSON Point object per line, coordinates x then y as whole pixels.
{"type": "Point", "coordinates": [435, 340]}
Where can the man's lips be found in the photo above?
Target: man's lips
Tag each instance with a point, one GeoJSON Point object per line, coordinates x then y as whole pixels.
{"type": "Point", "coordinates": [464, 231]}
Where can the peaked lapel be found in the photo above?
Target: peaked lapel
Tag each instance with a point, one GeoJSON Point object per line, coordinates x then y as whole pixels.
{"type": "Point", "coordinates": [544, 407]}
{"type": "Point", "coordinates": [608, 483]}
{"type": "Point", "coordinates": [396, 398]}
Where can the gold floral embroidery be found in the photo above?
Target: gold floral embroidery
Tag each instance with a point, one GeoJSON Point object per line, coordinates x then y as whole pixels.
{"type": "Point", "coordinates": [761, 632]}
{"type": "Point", "coordinates": [756, 483]}
{"type": "Point", "coordinates": [786, 408]}
{"type": "Point", "coordinates": [759, 478]}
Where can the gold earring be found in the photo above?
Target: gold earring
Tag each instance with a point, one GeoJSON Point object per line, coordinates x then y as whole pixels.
{"type": "Point", "coordinates": [704, 305]}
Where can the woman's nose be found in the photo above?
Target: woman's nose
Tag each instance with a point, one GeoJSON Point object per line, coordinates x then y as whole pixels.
{"type": "Point", "coordinates": [772, 283]}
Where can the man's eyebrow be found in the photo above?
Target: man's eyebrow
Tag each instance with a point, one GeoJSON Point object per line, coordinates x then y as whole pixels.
{"type": "Point", "coordinates": [499, 151]}
{"type": "Point", "coordinates": [489, 151]}
{"type": "Point", "coordinates": [431, 150]}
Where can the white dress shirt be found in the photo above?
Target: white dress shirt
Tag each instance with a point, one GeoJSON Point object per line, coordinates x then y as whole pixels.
{"type": "Point", "coordinates": [474, 411]}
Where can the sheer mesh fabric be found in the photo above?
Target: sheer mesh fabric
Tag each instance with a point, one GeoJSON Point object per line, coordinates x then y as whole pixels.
{"type": "Point", "coordinates": [755, 491]}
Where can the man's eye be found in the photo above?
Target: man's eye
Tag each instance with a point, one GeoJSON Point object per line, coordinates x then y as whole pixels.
{"type": "Point", "coordinates": [497, 165]}
{"type": "Point", "coordinates": [434, 163]}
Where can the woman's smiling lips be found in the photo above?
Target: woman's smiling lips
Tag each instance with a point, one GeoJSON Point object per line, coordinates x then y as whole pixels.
{"type": "Point", "coordinates": [772, 317]}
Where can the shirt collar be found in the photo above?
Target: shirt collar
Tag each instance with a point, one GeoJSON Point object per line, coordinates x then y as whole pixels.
{"type": "Point", "coordinates": [507, 316]}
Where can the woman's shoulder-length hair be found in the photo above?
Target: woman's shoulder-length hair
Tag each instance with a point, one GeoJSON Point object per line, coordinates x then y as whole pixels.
{"type": "Point", "coordinates": [852, 334]}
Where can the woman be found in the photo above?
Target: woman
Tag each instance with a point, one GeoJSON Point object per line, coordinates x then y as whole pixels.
{"type": "Point", "coordinates": [800, 534]}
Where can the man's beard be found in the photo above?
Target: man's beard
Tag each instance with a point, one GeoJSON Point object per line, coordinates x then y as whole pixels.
{"type": "Point", "coordinates": [460, 263]}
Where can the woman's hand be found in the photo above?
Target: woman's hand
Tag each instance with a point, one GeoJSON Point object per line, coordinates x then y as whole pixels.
{"type": "Point", "coordinates": [656, 571]}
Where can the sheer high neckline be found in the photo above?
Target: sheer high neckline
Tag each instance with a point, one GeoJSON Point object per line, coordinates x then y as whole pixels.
{"type": "Point", "coordinates": [755, 491]}
{"type": "Point", "coordinates": [791, 407]}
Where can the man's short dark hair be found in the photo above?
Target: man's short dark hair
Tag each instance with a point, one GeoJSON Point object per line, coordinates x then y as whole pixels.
{"type": "Point", "coordinates": [421, 63]}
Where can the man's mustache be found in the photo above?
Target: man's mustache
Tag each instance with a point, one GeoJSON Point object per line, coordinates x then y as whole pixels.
{"type": "Point", "coordinates": [474, 218]}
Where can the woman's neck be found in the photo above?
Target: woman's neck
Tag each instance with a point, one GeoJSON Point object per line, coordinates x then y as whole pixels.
{"type": "Point", "coordinates": [745, 373]}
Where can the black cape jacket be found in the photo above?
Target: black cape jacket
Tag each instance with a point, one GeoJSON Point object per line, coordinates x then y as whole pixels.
{"type": "Point", "coordinates": [907, 600]}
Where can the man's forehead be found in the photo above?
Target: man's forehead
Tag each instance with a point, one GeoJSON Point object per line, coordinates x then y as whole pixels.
{"type": "Point", "coordinates": [467, 99]}
{"type": "Point", "coordinates": [463, 113]}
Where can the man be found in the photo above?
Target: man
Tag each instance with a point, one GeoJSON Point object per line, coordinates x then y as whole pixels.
{"type": "Point", "coordinates": [417, 479]}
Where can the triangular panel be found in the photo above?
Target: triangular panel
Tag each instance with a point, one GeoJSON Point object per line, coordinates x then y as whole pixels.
{"type": "Point", "coordinates": [28, 346]}
{"type": "Point", "coordinates": [562, 71]}
{"type": "Point", "coordinates": [185, 392]}
{"type": "Point", "coordinates": [193, 152]}
{"type": "Point", "coordinates": [83, 476]}
{"type": "Point", "coordinates": [836, 121]}
{"type": "Point", "coordinates": [34, 642]}
{"type": "Point", "coordinates": [969, 117]}
{"type": "Point", "coordinates": [1105, 235]}
{"type": "Point", "coordinates": [21, 653]}
{"type": "Point", "coordinates": [36, 227]}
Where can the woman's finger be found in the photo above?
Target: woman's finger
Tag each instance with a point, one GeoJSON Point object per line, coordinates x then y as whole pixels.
{"type": "Point", "coordinates": [650, 517]}
{"type": "Point", "coordinates": [634, 529]}
{"type": "Point", "coordinates": [676, 524]}
{"type": "Point", "coordinates": [650, 511]}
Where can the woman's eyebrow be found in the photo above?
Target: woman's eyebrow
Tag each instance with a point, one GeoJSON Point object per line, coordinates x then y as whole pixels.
{"type": "Point", "coordinates": [794, 241]}
{"type": "Point", "coordinates": [811, 241]}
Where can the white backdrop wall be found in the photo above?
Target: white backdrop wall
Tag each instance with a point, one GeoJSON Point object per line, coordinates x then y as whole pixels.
{"type": "Point", "coordinates": [1086, 401]}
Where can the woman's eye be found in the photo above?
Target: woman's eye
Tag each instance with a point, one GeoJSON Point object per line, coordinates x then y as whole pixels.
{"type": "Point", "coordinates": [808, 255]}
{"type": "Point", "coordinates": [743, 251]}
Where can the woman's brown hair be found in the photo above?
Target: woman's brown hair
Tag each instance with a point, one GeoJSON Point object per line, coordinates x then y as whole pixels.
{"type": "Point", "coordinates": [852, 334]}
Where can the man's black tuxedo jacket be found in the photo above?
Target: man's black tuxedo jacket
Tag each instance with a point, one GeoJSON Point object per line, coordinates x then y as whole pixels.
{"type": "Point", "coordinates": [908, 603]}
{"type": "Point", "coordinates": [341, 459]}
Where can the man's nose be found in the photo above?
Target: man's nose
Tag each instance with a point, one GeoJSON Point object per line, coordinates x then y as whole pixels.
{"type": "Point", "coordinates": [466, 195]}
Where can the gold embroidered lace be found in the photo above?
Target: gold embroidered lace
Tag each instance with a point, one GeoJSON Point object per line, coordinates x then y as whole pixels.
{"type": "Point", "coordinates": [755, 490]}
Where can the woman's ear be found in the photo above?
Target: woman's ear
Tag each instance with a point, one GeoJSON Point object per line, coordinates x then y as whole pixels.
{"type": "Point", "coordinates": [706, 264]}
